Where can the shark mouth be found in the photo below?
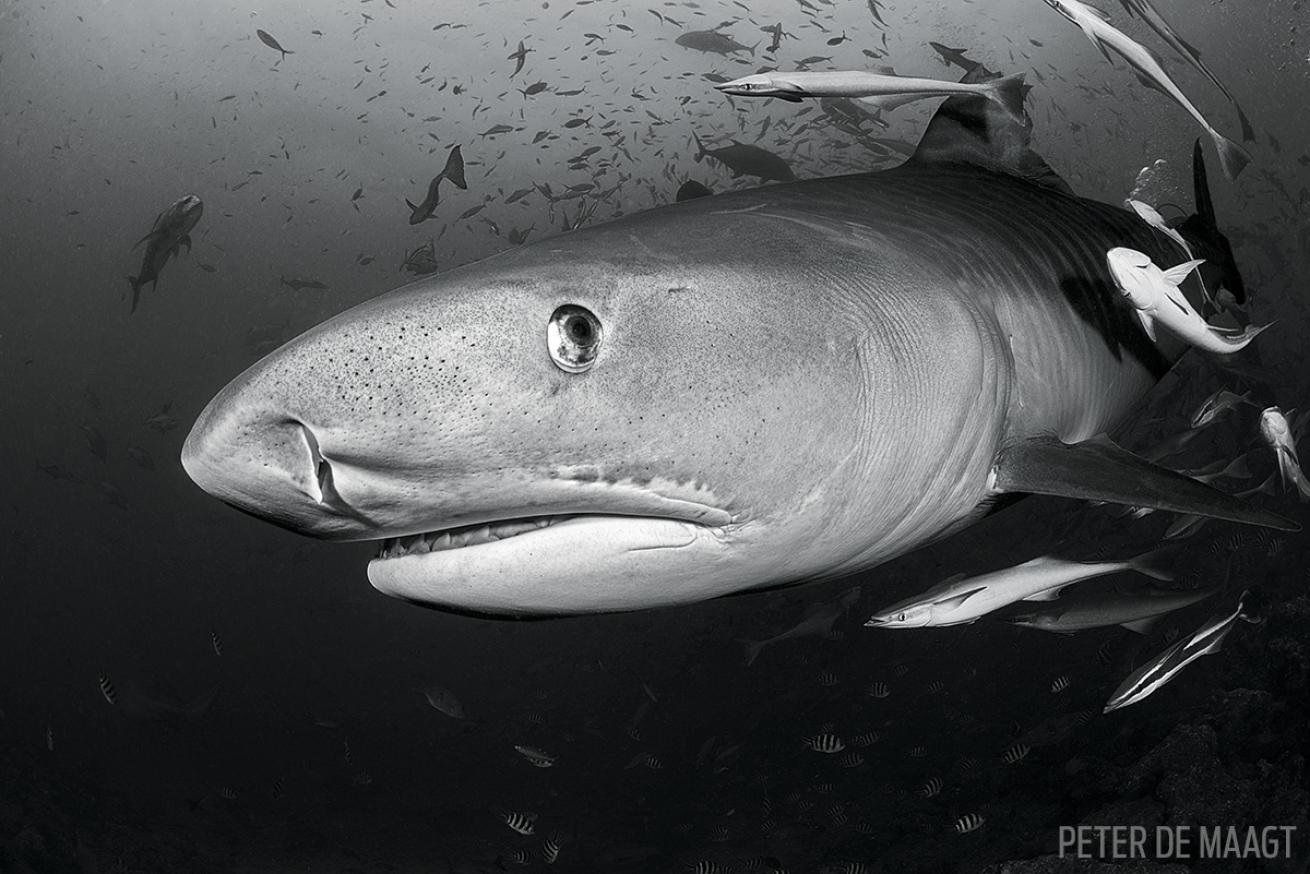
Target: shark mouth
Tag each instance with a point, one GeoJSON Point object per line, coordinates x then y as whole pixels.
{"type": "Point", "coordinates": [465, 536]}
{"type": "Point", "coordinates": [569, 562]}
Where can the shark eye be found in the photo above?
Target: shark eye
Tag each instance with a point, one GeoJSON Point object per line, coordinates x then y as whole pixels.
{"type": "Point", "coordinates": [573, 338]}
{"type": "Point", "coordinates": [900, 617]}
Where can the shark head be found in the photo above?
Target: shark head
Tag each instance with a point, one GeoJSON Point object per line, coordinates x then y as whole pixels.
{"type": "Point", "coordinates": [608, 420]}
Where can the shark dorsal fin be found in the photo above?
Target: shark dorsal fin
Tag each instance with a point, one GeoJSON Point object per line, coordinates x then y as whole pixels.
{"type": "Point", "coordinates": [970, 129]}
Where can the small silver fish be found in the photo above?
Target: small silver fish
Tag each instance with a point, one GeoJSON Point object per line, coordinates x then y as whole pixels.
{"type": "Point", "coordinates": [535, 757]}
{"type": "Point", "coordinates": [443, 700]}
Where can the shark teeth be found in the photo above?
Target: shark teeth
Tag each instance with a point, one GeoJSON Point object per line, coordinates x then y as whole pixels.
{"type": "Point", "coordinates": [457, 538]}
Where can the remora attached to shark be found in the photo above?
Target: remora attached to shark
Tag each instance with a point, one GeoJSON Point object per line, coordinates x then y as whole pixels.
{"type": "Point", "coordinates": [764, 387]}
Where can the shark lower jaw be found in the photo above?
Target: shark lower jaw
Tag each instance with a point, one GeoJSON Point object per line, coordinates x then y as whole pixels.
{"type": "Point", "coordinates": [557, 565]}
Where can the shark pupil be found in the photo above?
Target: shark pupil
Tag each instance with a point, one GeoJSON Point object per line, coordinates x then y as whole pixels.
{"type": "Point", "coordinates": [573, 338]}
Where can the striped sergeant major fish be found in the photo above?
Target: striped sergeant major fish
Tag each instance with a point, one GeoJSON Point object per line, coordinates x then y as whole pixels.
{"type": "Point", "coordinates": [523, 823]}
{"type": "Point", "coordinates": [932, 788]}
{"type": "Point", "coordinates": [851, 760]}
{"type": "Point", "coordinates": [1017, 753]}
{"type": "Point", "coordinates": [1159, 671]}
{"type": "Point", "coordinates": [107, 689]}
{"type": "Point", "coordinates": [551, 847]}
{"type": "Point", "coordinates": [825, 743]}
{"type": "Point", "coordinates": [970, 822]}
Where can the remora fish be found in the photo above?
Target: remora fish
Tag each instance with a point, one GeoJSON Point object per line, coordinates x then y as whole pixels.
{"type": "Point", "coordinates": [454, 171]}
{"type": "Point", "coordinates": [953, 56]}
{"type": "Point", "coordinates": [1155, 296]}
{"type": "Point", "coordinates": [818, 621]}
{"type": "Point", "coordinates": [1165, 31]}
{"type": "Point", "coordinates": [1153, 675]}
{"type": "Point", "coordinates": [959, 600]}
{"type": "Point", "coordinates": [172, 230]}
{"type": "Point", "coordinates": [610, 419]}
{"type": "Point", "coordinates": [712, 41]}
{"type": "Point", "coordinates": [1096, 26]}
{"type": "Point", "coordinates": [858, 84]}
{"type": "Point", "coordinates": [1136, 610]}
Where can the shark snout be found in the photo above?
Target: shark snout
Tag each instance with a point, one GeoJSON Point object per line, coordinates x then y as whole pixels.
{"type": "Point", "coordinates": [269, 464]}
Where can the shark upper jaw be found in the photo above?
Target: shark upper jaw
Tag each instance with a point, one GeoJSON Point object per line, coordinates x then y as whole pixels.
{"type": "Point", "coordinates": [554, 541]}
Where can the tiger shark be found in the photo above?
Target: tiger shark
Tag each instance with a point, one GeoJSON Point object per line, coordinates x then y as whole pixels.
{"type": "Point", "coordinates": [738, 392]}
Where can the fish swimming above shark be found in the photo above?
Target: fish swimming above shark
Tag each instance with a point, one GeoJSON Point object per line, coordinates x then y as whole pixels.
{"type": "Point", "coordinates": [712, 41]}
{"type": "Point", "coordinates": [864, 85]}
{"type": "Point", "coordinates": [170, 232]}
{"type": "Point", "coordinates": [454, 171]}
{"type": "Point", "coordinates": [765, 387]}
{"type": "Point", "coordinates": [1096, 26]}
{"type": "Point", "coordinates": [747, 160]}
{"type": "Point", "coordinates": [1188, 52]}
{"type": "Point", "coordinates": [953, 56]}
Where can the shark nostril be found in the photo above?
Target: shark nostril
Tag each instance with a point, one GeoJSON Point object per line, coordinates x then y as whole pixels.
{"type": "Point", "coordinates": [327, 493]}
{"type": "Point", "coordinates": [324, 475]}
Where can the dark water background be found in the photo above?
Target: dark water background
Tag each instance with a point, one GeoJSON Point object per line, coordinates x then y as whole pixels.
{"type": "Point", "coordinates": [113, 110]}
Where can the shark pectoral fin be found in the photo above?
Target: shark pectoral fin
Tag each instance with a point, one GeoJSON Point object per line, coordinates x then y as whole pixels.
{"type": "Point", "coordinates": [956, 600]}
{"type": "Point", "coordinates": [1176, 275]}
{"type": "Point", "coordinates": [1099, 470]}
{"type": "Point", "coordinates": [1148, 324]}
{"type": "Point", "coordinates": [788, 96]}
{"type": "Point", "coordinates": [1141, 626]}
